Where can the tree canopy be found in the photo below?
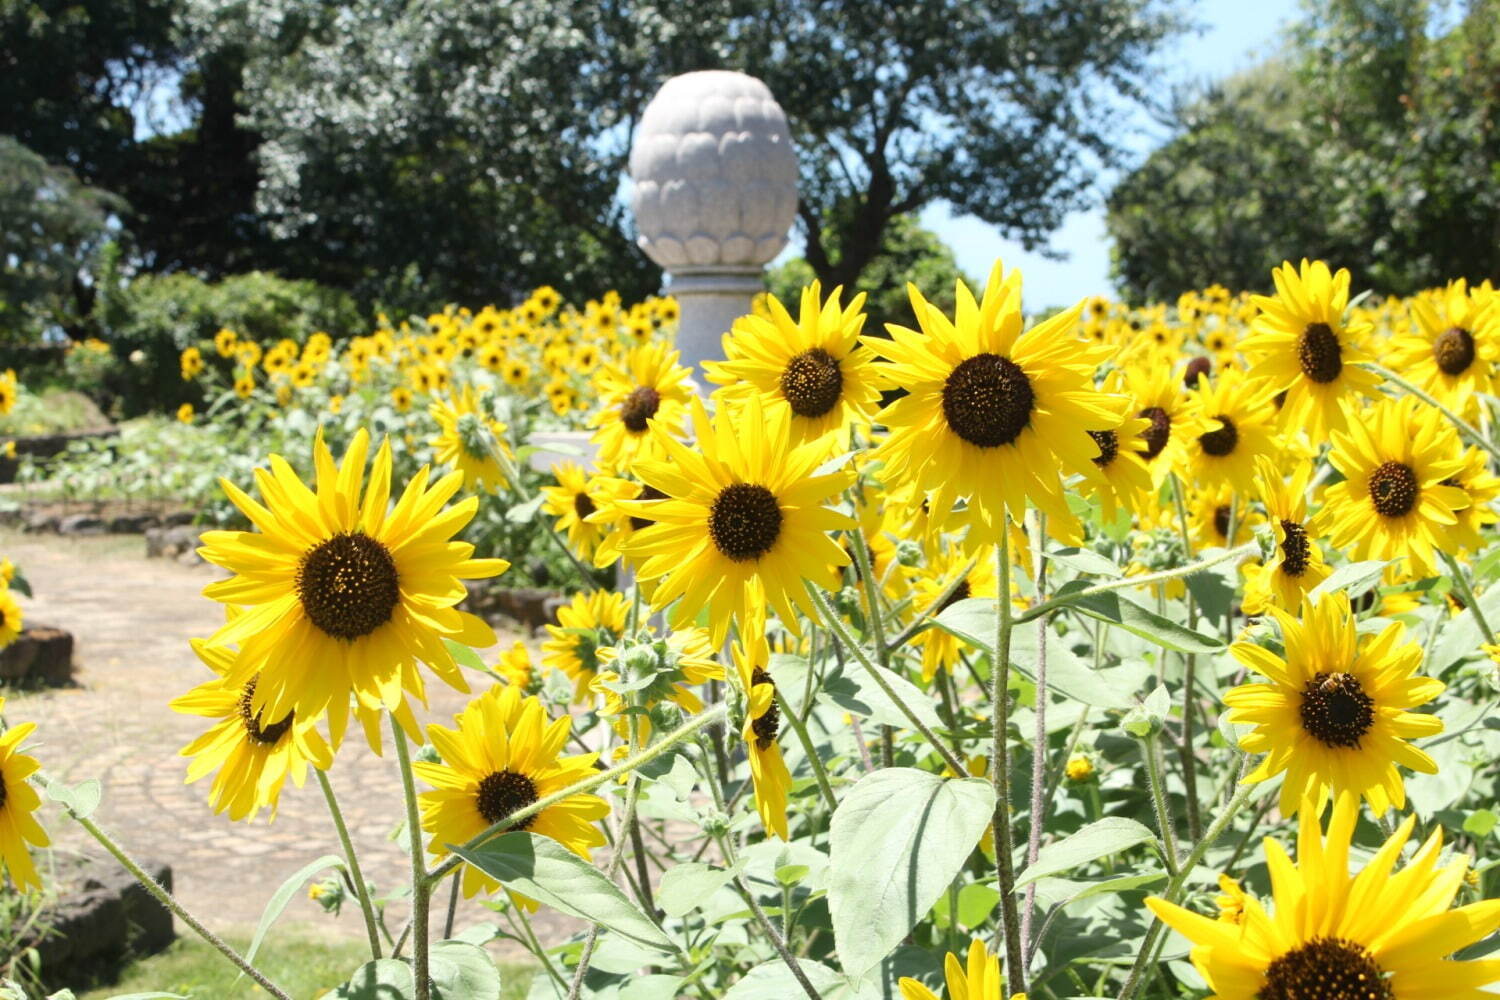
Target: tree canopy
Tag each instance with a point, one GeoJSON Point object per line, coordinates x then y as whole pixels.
{"type": "Point", "coordinates": [1372, 139]}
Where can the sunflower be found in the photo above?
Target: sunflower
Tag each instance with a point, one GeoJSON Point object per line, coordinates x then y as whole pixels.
{"type": "Point", "coordinates": [1481, 487]}
{"type": "Point", "coordinates": [1298, 565]}
{"type": "Point", "coordinates": [1453, 350]}
{"type": "Point", "coordinates": [225, 342]}
{"type": "Point", "coordinates": [515, 665]}
{"type": "Point", "coordinates": [1171, 424]}
{"type": "Point", "coordinates": [978, 979]}
{"type": "Point", "coordinates": [940, 649]}
{"type": "Point", "coordinates": [992, 413]}
{"type": "Point", "coordinates": [1235, 414]}
{"type": "Point", "coordinates": [469, 439]}
{"type": "Point", "coordinates": [616, 524]}
{"type": "Point", "coordinates": [1334, 713]}
{"type": "Point", "coordinates": [1393, 503]}
{"type": "Point", "coordinates": [1376, 935]}
{"type": "Point", "coordinates": [1211, 515]}
{"type": "Point", "coordinates": [253, 757]}
{"type": "Point", "coordinates": [504, 756]}
{"type": "Point", "coordinates": [768, 771]}
{"type": "Point", "coordinates": [745, 520]}
{"type": "Point", "coordinates": [342, 596]}
{"type": "Point", "coordinates": [191, 363]}
{"type": "Point", "coordinates": [244, 386]}
{"type": "Point", "coordinates": [812, 366]}
{"type": "Point", "coordinates": [18, 800]}
{"type": "Point", "coordinates": [649, 390]}
{"type": "Point", "coordinates": [571, 501]}
{"type": "Point", "coordinates": [1119, 476]}
{"type": "Point", "coordinates": [1302, 345]}
{"type": "Point", "coordinates": [11, 618]}
{"type": "Point", "coordinates": [586, 625]}
{"type": "Point", "coordinates": [8, 391]}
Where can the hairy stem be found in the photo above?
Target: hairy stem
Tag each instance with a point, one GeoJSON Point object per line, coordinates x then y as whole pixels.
{"type": "Point", "coordinates": [355, 874]}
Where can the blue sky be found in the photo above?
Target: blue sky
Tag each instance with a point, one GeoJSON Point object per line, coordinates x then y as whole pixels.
{"type": "Point", "coordinates": [1238, 33]}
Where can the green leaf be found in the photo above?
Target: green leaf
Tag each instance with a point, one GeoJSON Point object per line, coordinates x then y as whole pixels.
{"type": "Point", "coordinates": [382, 979]}
{"type": "Point", "coordinates": [656, 987]}
{"type": "Point", "coordinates": [1110, 607]}
{"type": "Point", "coordinates": [1097, 840]}
{"type": "Point", "coordinates": [774, 981]}
{"type": "Point", "coordinates": [466, 657]}
{"type": "Point", "coordinates": [898, 838]}
{"type": "Point", "coordinates": [20, 583]}
{"type": "Point", "coordinates": [855, 692]}
{"type": "Point", "coordinates": [524, 513]}
{"type": "Point", "coordinates": [542, 869]}
{"type": "Point", "coordinates": [1211, 590]}
{"type": "Point", "coordinates": [688, 886]}
{"type": "Point", "coordinates": [790, 875]}
{"type": "Point", "coordinates": [1480, 823]}
{"type": "Point", "coordinates": [1052, 892]}
{"type": "Point", "coordinates": [462, 971]}
{"type": "Point", "coordinates": [1086, 561]}
{"type": "Point", "coordinates": [283, 895]}
{"type": "Point", "coordinates": [1354, 579]}
{"type": "Point", "coordinates": [80, 799]}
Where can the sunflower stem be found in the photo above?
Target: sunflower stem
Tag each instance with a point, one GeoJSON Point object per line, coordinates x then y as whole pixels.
{"type": "Point", "coordinates": [1190, 666]}
{"type": "Point", "coordinates": [420, 887]}
{"type": "Point", "coordinates": [1149, 751]}
{"type": "Point", "coordinates": [1469, 430]}
{"type": "Point", "coordinates": [360, 889]}
{"type": "Point", "coordinates": [836, 626]}
{"type": "Point", "coordinates": [808, 749]}
{"type": "Point", "coordinates": [1126, 582]}
{"type": "Point", "coordinates": [1470, 598]}
{"type": "Point", "coordinates": [1178, 881]}
{"type": "Point", "coordinates": [166, 899]}
{"type": "Point", "coordinates": [1038, 803]}
{"type": "Point", "coordinates": [700, 721]}
{"type": "Point", "coordinates": [767, 928]}
{"type": "Point", "coordinates": [1000, 770]}
{"type": "Point", "coordinates": [924, 618]}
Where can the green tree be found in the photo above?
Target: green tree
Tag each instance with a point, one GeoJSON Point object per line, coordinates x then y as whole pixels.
{"type": "Point", "coordinates": [909, 253]}
{"type": "Point", "coordinates": [51, 229]}
{"type": "Point", "coordinates": [1373, 140]}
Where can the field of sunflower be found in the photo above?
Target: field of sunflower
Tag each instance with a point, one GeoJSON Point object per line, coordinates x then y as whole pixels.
{"type": "Point", "coordinates": [962, 661]}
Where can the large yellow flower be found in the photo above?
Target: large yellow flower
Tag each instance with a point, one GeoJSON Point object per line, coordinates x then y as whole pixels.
{"type": "Point", "coordinates": [1298, 565]}
{"type": "Point", "coordinates": [1302, 345]}
{"type": "Point", "coordinates": [977, 979]}
{"type": "Point", "coordinates": [467, 440]}
{"type": "Point", "coordinates": [1170, 422]}
{"type": "Point", "coordinates": [649, 390]}
{"type": "Point", "coordinates": [503, 756]}
{"type": "Point", "coordinates": [812, 366]}
{"type": "Point", "coordinates": [343, 596]}
{"type": "Point", "coordinates": [768, 771]}
{"type": "Point", "coordinates": [1453, 351]}
{"type": "Point", "coordinates": [1334, 714]}
{"type": "Point", "coordinates": [1381, 934]}
{"type": "Point", "coordinates": [991, 413]}
{"type": "Point", "coordinates": [253, 757]}
{"type": "Point", "coordinates": [1393, 503]}
{"type": "Point", "coordinates": [1235, 413]}
{"type": "Point", "coordinates": [744, 521]}
{"type": "Point", "coordinates": [1119, 475]}
{"type": "Point", "coordinates": [11, 618]}
{"type": "Point", "coordinates": [587, 624]}
{"type": "Point", "coordinates": [571, 501]}
{"type": "Point", "coordinates": [1482, 488]}
{"type": "Point", "coordinates": [18, 800]}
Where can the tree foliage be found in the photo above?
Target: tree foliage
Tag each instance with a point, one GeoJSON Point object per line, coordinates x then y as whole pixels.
{"type": "Point", "coordinates": [1373, 140]}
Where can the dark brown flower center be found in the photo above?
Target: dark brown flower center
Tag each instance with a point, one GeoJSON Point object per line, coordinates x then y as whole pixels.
{"type": "Point", "coordinates": [960, 593]}
{"type": "Point", "coordinates": [502, 793]}
{"type": "Point", "coordinates": [1221, 442]}
{"type": "Point", "coordinates": [640, 406]}
{"type": "Point", "coordinates": [812, 383]}
{"type": "Point", "coordinates": [1454, 350]}
{"type": "Point", "coordinates": [1319, 353]}
{"type": "Point", "coordinates": [1160, 431]}
{"type": "Point", "coordinates": [348, 585]}
{"type": "Point", "coordinates": [745, 521]}
{"type": "Point", "coordinates": [1393, 489]}
{"type": "Point", "coordinates": [582, 505]}
{"type": "Point", "coordinates": [1326, 968]}
{"type": "Point", "coordinates": [1221, 520]}
{"type": "Point", "coordinates": [1109, 447]}
{"type": "Point", "coordinates": [2, 791]}
{"type": "Point", "coordinates": [1294, 549]}
{"type": "Point", "coordinates": [1196, 368]}
{"type": "Point", "coordinates": [267, 735]}
{"type": "Point", "coordinates": [1336, 711]}
{"type": "Point", "coordinates": [768, 725]}
{"type": "Point", "coordinates": [647, 493]}
{"type": "Point", "coordinates": [987, 400]}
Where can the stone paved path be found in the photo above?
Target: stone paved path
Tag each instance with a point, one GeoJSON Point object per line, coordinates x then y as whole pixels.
{"type": "Point", "coordinates": [131, 618]}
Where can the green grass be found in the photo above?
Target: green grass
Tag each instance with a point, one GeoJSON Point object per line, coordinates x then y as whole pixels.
{"type": "Point", "coordinates": [304, 961]}
{"type": "Point", "coordinates": [50, 412]}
